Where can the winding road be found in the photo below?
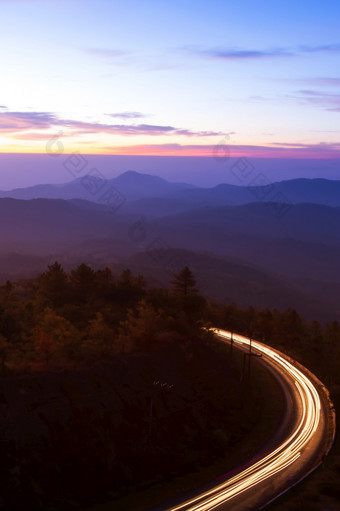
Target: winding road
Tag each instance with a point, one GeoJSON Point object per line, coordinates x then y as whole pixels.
{"type": "Point", "coordinates": [308, 433]}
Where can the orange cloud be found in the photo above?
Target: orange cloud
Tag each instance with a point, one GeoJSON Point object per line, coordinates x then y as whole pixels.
{"type": "Point", "coordinates": [275, 151]}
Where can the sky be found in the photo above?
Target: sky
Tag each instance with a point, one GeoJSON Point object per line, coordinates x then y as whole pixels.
{"type": "Point", "coordinates": [252, 78]}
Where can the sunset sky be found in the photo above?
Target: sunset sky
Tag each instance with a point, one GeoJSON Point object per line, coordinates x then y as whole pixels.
{"type": "Point", "coordinates": [171, 78]}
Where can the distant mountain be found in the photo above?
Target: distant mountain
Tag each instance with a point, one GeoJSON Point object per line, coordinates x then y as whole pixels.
{"type": "Point", "coordinates": [131, 185]}
{"type": "Point", "coordinates": [52, 224]}
{"type": "Point", "coordinates": [314, 191]}
{"type": "Point", "coordinates": [304, 243]}
{"type": "Point", "coordinates": [246, 252]}
{"type": "Point", "coordinates": [296, 191]}
{"type": "Point", "coordinates": [153, 196]}
{"type": "Point", "coordinates": [216, 226]}
{"type": "Point", "coordinates": [135, 185]}
{"type": "Point", "coordinates": [228, 280]}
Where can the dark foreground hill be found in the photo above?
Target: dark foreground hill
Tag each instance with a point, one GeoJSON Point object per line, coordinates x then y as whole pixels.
{"type": "Point", "coordinates": [108, 387]}
{"type": "Point", "coordinates": [74, 438]}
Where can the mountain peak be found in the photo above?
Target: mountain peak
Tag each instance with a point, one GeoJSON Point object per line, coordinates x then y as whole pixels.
{"type": "Point", "coordinates": [133, 175]}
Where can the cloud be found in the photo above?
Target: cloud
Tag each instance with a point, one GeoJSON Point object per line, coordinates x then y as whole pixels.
{"type": "Point", "coordinates": [278, 150]}
{"type": "Point", "coordinates": [332, 82]}
{"type": "Point", "coordinates": [330, 102]}
{"type": "Point", "coordinates": [319, 81]}
{"type": "Point", "coordinates": [324, 146]}
{"type": "Point", "coordinates": [38, 135]}
{"type": "Point", "coordinates": [238, 53]}
{"type": "Point", "coordinates": [127, 115]}
{"type": "Point", "coordinates": [244, 54]}
{"type": "Point", "coordinates": [20, 121]}
{"type": "Point", "coordinates": [110, 53]}
{"type": "Point", "coordinates": [112, 56]}
{"type": "Point", "coordinates": [135, 129]}
{"type": "Point", "coordinates": [321, 48]}
{"type": "Point", "coordinates": [145, 63]}
{"type": "Point", "coordinates": [16, 122]}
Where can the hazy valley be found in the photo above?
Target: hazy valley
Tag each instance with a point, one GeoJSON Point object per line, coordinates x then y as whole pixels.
{"type": "Point", "coordinates": [268, 254]}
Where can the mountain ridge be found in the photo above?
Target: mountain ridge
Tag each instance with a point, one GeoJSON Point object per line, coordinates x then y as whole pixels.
{"type": "Point", "coordinates": [300, 250]}
{"type": "Point", "coordinates": [135, 186]}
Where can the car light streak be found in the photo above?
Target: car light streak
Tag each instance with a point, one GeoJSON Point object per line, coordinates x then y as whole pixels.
{"type": "Point", "coordinates": [285, 454]}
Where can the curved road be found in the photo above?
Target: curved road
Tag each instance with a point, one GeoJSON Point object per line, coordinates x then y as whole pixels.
{"type": "Point", "coordinates": [309, 427]}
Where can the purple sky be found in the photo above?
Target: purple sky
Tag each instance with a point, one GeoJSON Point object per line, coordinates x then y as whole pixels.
{"type": "Point", "coordinates": [132, 77]}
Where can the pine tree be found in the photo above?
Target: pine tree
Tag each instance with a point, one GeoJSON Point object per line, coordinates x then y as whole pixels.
{"type": "Point", "coordinates": [5, 349]}
{"type": "Point", "coordinates": [101, 336]}
{"type": "Point", "coordinates": [53, 286]}
{"type": "Point", "coordinates": [83, 283]}
{"type": "Point", "coordinates": [184, 283]}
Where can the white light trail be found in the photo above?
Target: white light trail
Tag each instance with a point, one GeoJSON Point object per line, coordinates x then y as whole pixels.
{"type": "Point", "coordinates": [284, 455]}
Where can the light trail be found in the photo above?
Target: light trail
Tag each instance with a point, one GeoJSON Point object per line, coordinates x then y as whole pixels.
{"type": "Point", "coordinates": [284, 455]}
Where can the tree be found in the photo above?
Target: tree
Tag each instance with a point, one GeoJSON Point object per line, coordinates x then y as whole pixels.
{"type": "Point", "coordinates": [83, 283]}
{"type": "Point", "coordinates": [55, 335]}
{"type": "Point", "coordinates": [101, 336]}
{"type": "Point", "coordinates": [186, 296]}
{"type": "Point", "coordinates": [141, 328]}
{"type": "Point", "coordinates": [44, 347]}
{"type": "Point", "coordinates": [105, 284]}
{"type": "Point", "coordinates": [290, 328]}
{"type": "Point", "coordinates": [130, 289]}
{"type": "Point", "coordinates": [331, 350]}
{"type": "Point", "coordinates": [54, 286]}
{"type": "Point", "coordinates": [263, 326]}
{"type": "Point", "coordinates": [11, 320]}
{"type": "Point", "coordinates": [184, 283]}
{"type": "Point", "coordinates": [5, 349]}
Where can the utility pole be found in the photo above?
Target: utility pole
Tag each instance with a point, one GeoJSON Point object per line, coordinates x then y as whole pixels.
{"type": "Point", "coordinates": [160, 386]}
{"type": "Point", "coordinates": [250, 354]}
{"type": "Point", "coordinates": [151, 416]}
{"type": "Point", "coordinates": [244, 366]}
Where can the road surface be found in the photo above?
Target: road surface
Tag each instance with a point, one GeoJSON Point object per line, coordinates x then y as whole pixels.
{"type": "Point", "coordinates": [309, 429]}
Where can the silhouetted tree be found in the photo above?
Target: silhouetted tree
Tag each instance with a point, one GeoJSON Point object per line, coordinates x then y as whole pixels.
{"type": "Point", "coordinates": [55, 335]}
{"type": "Point", "coordinates": [130, 289]}
{"type": "Point", "coordinates": [53, 287]}
{"type": "Point", "coordinates": [5, 349]}
{"type": "Point", "coordinates": [184, 283]}
{"type": "Point", "coordinates": [186, 296]}
{"type": "Point", "coordinates": [141, 328]}
{"type": "Point", "coordinates": [11, 320]}
{"type": "Point", "coordinates": [263, 325]}
{"type": "Point", "coordinates": [101, 337]}
{"type": "Point", "coordinates": [104, 285]}
{"type": "Point", "coordinates": [83, 283]}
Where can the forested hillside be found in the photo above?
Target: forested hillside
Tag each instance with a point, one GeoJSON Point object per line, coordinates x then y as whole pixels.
{"type": "Point", "coordinates": [101, 369]}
